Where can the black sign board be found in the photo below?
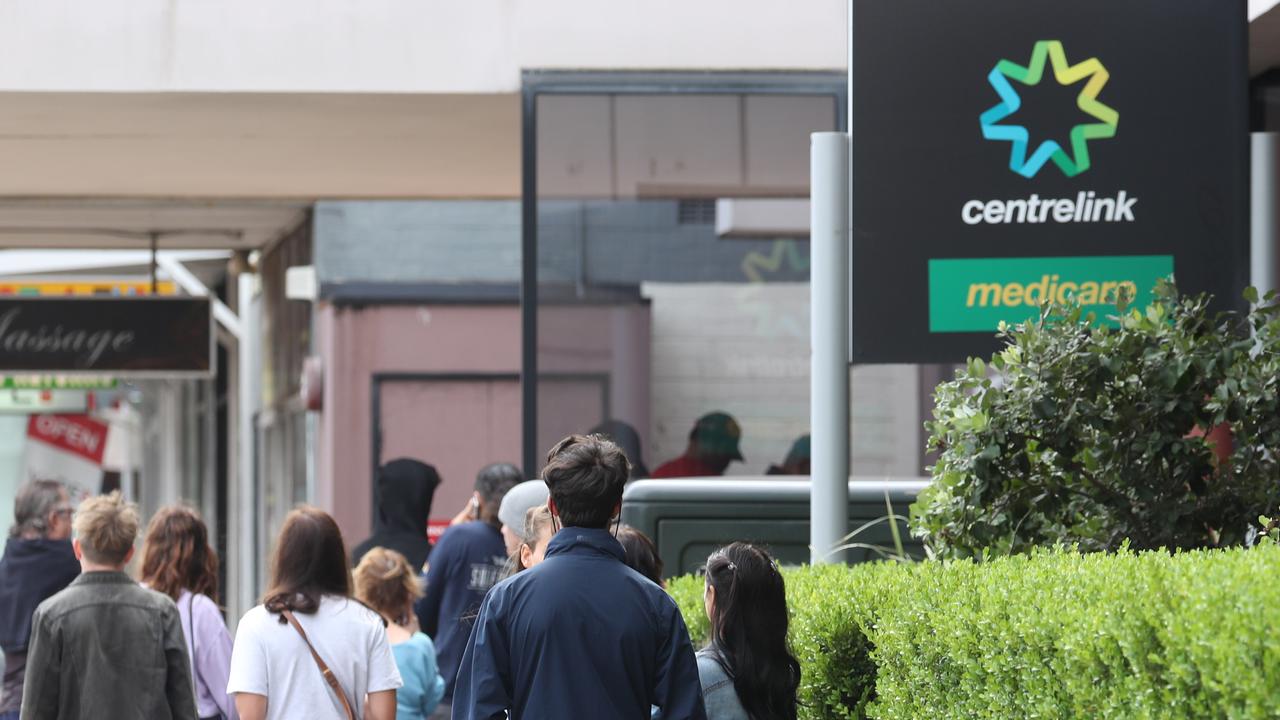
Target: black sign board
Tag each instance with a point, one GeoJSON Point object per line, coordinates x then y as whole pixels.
{"type": "Point", "coordinates": [161, 337]}
{"type": "Point", "coordinates": [1006, 152]}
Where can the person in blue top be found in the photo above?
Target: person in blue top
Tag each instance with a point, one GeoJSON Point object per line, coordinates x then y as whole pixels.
{"type": "Point", "coordinates": [580, 635]}
{"type": "Point", "coordinates": [385, 582]}
{"type": "Point", "coordinates": [467, 560]}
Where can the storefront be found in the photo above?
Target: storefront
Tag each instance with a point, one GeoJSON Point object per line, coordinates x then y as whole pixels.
{"type": "Point", "coordinates": [144, 422]}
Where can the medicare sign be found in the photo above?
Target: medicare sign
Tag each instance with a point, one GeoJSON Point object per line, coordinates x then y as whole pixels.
{"type": "Point", "coordinates": [1012, 152]}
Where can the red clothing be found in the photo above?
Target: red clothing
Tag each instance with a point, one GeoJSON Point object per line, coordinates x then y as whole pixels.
{"type": "Point", "coordinates": [684, 467]}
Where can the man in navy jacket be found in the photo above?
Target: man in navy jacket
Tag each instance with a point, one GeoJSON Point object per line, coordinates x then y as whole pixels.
{"type": "Point", "coordinates": [580, 635]}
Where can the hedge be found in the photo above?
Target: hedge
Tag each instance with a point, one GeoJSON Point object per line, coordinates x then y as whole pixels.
{"type": "Point", "coordinates": [1053, 634]}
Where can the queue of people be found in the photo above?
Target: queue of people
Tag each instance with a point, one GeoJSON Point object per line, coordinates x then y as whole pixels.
{"type": "Point", "coordinates": [537, 603]}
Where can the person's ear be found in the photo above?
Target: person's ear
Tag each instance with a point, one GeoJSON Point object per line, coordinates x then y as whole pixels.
{"type": "Point", "coordinates": [127, 557]}
{"type": "Point", "coordinates": [75, 547]}
{"type": "Point", "coordinates": [617, 509]}
{"type": "Point", "coordinates": [551, 507]}
{"type": "Point", "coordinates": [526, 556]}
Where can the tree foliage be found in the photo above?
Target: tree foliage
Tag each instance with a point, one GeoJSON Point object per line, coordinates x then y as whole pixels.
{"type": "Point", "coordinates": [1094, 434]}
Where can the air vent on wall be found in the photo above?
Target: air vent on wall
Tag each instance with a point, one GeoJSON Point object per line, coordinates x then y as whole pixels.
{"type": "Point", "coordinates": [696, 211]}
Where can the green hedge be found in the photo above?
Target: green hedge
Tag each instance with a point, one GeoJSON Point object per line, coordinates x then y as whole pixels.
{"type": "Point", "coordinates": [1055, 634]}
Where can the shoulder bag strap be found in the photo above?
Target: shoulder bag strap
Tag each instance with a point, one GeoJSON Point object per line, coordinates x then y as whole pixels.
{"type": "Point", "coordinates": [191, 639]}
{"type": "Point", "coordinates": [329, 677]}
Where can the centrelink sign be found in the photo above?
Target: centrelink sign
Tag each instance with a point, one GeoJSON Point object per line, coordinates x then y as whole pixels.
{"type": "Point", "coordinates": [992, 171]}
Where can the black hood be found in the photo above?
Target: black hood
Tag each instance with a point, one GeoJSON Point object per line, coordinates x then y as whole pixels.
{"type": "Point", "coordinates": [626, 437]}
{"type": "Point", "coordinates": [403, 491]}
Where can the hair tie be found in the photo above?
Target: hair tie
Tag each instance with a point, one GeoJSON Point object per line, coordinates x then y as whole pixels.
{"type": "Point", "coordinates": [732, 567]}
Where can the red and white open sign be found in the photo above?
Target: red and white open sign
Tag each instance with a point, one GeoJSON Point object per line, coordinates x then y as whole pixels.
{"type": "Point", "coordinates": [436, 528]}
{"type": "Point", "coordinates": [69, 448]}
{"type": "Point", "coordinates": [76, 434]}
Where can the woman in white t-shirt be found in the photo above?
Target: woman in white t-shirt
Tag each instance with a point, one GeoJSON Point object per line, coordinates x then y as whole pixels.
{"type": "Point", "coordinates": [274, 675]}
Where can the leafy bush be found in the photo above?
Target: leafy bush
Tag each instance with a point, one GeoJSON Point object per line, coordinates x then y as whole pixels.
{"type": "Point", "coordinates": [839, 677]}
{"type": "Point", "coordinates": [1086, 434]}
{"type": "Point", "coordinates": [1269, 530]}
{"type": "Point", "coordinates": [1051, 634]}
{"type": "Point", "coordinates": [1065, 635]}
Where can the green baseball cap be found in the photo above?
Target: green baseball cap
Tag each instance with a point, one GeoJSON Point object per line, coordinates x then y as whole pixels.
{"type": "Point", "coordinates": [719, 433]}
{"type": "Point", "coordinates": [799, 450]}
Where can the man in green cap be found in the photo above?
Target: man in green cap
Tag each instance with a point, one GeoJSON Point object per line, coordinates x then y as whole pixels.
{"type": "Point", "coordinates": [713, 444]}
{"type": "Point", "coordinates": [797, 462]}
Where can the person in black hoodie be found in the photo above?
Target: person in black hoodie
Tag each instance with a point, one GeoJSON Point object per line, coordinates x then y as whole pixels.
{"type": "Point", "coordinates": [403, 491]}
{"type": "Point", "coordinates": [38, 562]}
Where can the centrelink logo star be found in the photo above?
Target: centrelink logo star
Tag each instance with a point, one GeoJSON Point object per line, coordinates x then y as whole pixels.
{"type": "Point", "coordinates": [1078, 161]}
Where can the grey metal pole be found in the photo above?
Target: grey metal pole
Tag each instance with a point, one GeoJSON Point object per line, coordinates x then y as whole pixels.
{"type": "Point", "coordinates": [829, 241]}
{"type": "Point", "coordinates": [244, 522]}
{"type": "Point", "coordinates": [1264, 189]}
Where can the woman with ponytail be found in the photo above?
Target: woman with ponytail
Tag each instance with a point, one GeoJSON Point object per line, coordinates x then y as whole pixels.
{"type": "Point", "coordinates": [747, 671]}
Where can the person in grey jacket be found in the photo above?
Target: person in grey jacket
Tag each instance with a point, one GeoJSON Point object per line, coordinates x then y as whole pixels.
{"type": "Point", "coordinates": [106, 647]}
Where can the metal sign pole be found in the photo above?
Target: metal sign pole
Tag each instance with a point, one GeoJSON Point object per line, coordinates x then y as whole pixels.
{"type": "Point", "coordinates": [242, 503]}
{"type": "Point", "coordinates": [829, 242]}
{"type": "Point", "coordinates": [1263, 231]}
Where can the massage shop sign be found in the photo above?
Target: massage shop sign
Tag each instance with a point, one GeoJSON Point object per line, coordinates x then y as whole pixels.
{"type": "Point", "coordinates": [1012, 152]}
{"type": "Point", "coordinates": [126, 337]}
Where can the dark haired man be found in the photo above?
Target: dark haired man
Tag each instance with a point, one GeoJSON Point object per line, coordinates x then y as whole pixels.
{"type": "Point", "coordinates": [713, 444]}
{"type": "Point", "coordinates": [580, 635]}
{"type": "Point", "coordinates": [467, 560]}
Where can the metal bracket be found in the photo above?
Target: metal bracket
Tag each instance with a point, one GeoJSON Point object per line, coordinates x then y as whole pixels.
{"type": "Point", "coordinates": [225, 316]}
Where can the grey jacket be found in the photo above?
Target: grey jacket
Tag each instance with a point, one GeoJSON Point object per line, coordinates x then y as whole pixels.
{"type": "Point", "coordinates": [107, 648]}
{"type": "Point", "coordinates": [718, 694]}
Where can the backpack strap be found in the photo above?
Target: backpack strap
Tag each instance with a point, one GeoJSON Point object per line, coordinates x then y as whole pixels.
{"type": "Point", "coordinates": [329, 677]}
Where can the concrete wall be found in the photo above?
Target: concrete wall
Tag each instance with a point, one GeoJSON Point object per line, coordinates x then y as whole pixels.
{"type": "Point", "coordinates": [597, 243]}
{"type": "Point", "coordinates": [418, 242]}
{"type": "Point", "coordinates": [476, 46]}
{"type": "Point", "coordinates": [458, 426]}
{"type": "Point", "coordinates": [744, 349]}
{"type": "Point", "coordinates": [355, 343]}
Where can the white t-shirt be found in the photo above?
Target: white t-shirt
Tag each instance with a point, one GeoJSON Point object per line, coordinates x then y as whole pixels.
{"type": "Point", "coordinates": [271, 659]}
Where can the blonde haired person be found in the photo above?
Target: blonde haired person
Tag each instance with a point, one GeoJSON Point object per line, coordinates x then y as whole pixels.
{"type": "Point", "coordinates": [107, 647]}
{"type": "Point", "coordinates": [535, 535]}
{"type": "Point", "coordinates": [387, 583]}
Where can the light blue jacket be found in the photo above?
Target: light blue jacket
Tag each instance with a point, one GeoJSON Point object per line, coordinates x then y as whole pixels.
{"type": "Point", "coordinates": [423, 686]}
{"type": "Point", "coordinates": [718, 695]}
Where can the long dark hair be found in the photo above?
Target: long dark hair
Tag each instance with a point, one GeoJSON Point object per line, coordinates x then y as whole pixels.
{"type": "Point", "coordinates": [310, 561]}
{"type": "Point", "coordinates": [641, 554]}
{"type": "Point", "coordinates": [176, 555]}
{"type": "Point", "coordinates": [749, 631]}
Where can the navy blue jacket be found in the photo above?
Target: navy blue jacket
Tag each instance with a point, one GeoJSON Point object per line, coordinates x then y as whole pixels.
{"type": "Point", "coordinates": [466, 561]}
{"type": "Point", "coordinates": [30, 572]}
{"type": "Point", "coordinates": [579, 636]}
